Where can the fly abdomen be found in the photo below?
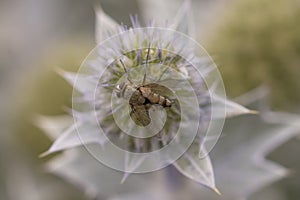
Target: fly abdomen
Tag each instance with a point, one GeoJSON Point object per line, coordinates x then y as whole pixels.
{"type": "Point", "coordinates": [155, 98]}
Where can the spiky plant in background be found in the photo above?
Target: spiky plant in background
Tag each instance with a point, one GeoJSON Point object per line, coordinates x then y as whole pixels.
{"type": "Point", "coordinates": [77, 166]}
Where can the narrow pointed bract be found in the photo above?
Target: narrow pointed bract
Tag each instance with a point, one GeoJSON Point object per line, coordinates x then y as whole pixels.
{"type": "Point", "coordinates": [105, 25]}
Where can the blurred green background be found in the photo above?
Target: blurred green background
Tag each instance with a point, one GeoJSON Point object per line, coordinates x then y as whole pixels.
{"type": "Point", "coordinates": [253, 42]}
{"type": "Point", "coordinates": [258, 43]}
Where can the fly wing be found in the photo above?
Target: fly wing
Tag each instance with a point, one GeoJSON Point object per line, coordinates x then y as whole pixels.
{"type": "Point", "coordinates": [136, 98]}
{"type": "Point", "coordinates": [140, 115]}
{"type": "Point", "coordinates": [159, 89]}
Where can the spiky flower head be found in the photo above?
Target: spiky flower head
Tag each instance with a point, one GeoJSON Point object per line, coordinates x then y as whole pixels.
{"type": "Point", "coordinates": [147, 96]}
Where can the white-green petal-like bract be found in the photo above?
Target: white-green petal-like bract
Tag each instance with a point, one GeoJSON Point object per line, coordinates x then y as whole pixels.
{"type": "Point", "coordinates": [197, 168]}
{"type": "Point", "coordinates": [104, 24]}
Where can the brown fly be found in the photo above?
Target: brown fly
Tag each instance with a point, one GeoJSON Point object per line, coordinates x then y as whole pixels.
{"type": "Point", "coordinates": [142, 97]}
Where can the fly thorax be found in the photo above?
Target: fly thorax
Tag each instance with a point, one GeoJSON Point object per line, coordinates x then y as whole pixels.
{"type": "Point", "coordinates": [145, 91]}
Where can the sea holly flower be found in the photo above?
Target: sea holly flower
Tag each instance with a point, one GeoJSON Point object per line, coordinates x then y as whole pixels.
{"type": "Point", "coordinates": [148, 97]}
